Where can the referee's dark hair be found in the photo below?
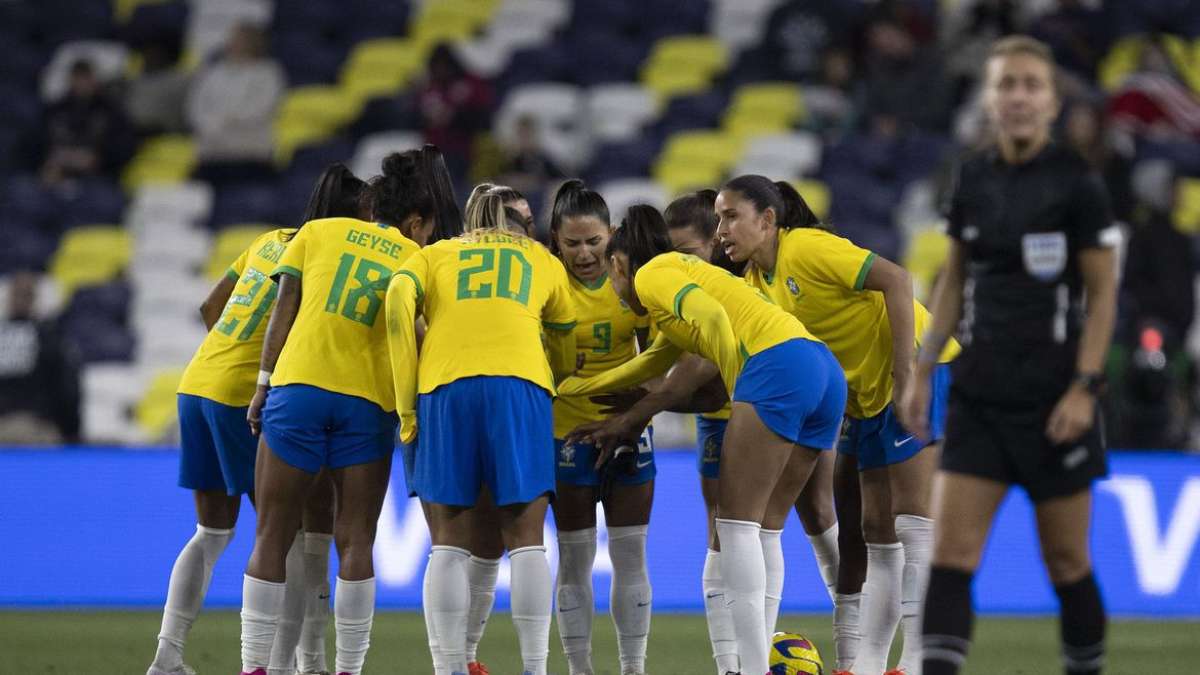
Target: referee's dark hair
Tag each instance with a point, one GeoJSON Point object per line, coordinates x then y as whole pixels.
{"type": "Point", "coordinates": [338, 193]}
{"type": "Point", "coordinates": [641, 236]}
{"type": "Point", "coordinates": [574, 199]}
{"type": "Point", "coordinates": [791, 211]}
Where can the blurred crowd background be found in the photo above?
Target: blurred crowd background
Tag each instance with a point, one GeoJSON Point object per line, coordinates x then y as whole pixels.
{"type": "Point", "coordinates": [144, 143]}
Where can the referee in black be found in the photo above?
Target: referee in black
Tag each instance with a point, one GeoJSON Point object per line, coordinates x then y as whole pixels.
{"type": "Point", "coordinates": [1029, 253]}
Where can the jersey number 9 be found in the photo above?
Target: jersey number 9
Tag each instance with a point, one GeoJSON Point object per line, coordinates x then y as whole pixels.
{"type": "Point", "coordinates": [486, 263]}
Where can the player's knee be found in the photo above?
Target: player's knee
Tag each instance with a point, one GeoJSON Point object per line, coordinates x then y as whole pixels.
{"type": "Point", "coordinates": [960, 553]}
{"type": "Point", "coordinates": [1066, 564]}
{"type": "Point", "coordinates": [878, 528]}
{"type": "Point", "coordinates": [816, 516]}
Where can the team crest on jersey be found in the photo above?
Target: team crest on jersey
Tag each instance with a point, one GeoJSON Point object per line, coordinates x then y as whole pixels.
{"type": "Point", "coordinates": [1045, 254]}
{"type": "Point", "coordinates": [793, 286]}
{"type": "Point", "coordinates": [566, 456]}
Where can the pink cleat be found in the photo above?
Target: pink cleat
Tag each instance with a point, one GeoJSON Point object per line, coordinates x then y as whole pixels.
{"type": "Point", "coordinates": [256, 671]}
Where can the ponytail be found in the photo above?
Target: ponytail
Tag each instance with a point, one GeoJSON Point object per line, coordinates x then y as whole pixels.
{"type": "Point", "coordinates": [791, 211]}
{"type": "Point", "coordinates": [796, 211]}
{"type": "Point", "coordinates": [448, 220]}
{"type": "Point", "coordinates": [337, 194]}
{"type": "Point", "coordinates": [641, 236]}
{"type": "Point", "coordinates": [485, 212]}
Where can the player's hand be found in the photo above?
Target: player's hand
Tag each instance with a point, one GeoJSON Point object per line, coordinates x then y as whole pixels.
{"type": "Point", "coordinates": [1072, 416]}
{"type": "Point", "coordinates": [254, 412]}
{"type": "Point", "coordinates": [619, 401]}
{"type": "Point", "coordinates": [583, 432]}
{"type": "Point", "coordinates": [913, 406]}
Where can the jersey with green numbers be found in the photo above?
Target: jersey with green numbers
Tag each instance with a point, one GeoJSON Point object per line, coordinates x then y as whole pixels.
{"type": "Point", "coordinates": [339, 339]}
{"type": "Point", "coordinates": [225, 368]}
{"type": "Point", "coordinates": [605, 337]}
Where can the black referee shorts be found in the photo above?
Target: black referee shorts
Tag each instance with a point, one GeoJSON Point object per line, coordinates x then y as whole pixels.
{"type": "Point", "coordinates": [1009, 445]}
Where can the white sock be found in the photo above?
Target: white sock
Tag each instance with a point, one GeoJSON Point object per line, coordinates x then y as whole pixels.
{"type": "Point", "coordinates": [531, 603]}
{"type": "Point", "coordinates": [575, 596]}
{"type": "Point", "coordinates": [310, 655]}
{"type": "Point", "coordinates": [287, 631]}
{"type": "Point", "coordinates": [845, 629]}
{"type": "Point", "coordinates": [450, 600]}
{"type": "Point", "coordinates": [720, 621]}
{"type": "Point", "coordinates": [353, 614]}
{"type": "Point", "coordinates": [262, 601]}
{"type": "Point", "coordinates": [744, 573]}
{"type": "Point", "coordinates": [916, 534]}
{"type": "Point", "coordinates": [439, 662]}
{"type": "Point", "coordinates": [481, 579]}
{"type": "Point", "coordinates": [630, 595]}
{"type": "Point", "coordinates": [880, 606]}
{"type": "Point", "coordinates": [772, 547]}
{"type": "Point", "coordinates": [186, 591]}
{"type": "Point", "coordinates": [825, 549]}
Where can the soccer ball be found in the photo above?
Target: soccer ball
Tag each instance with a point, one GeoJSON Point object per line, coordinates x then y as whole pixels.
{"type": "Point", "coordinates": [794, 654]}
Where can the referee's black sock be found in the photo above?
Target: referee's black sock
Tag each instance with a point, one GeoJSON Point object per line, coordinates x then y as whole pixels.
{"type": "Point", "coordinates": [1081, 622]}
{"type": "Point", "coordinates": [948, 621]}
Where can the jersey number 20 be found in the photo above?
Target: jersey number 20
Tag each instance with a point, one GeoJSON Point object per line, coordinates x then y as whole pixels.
{"type": "Point", "coordinates": [486, 263]}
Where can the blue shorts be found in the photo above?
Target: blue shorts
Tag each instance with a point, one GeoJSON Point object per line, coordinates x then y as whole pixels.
{"type": "Point", "coordinates": [498, 430]}
{"type": "Point", "coordinates": [218, 448]}
{"type": "Point", "coordinates": [798, 390]}
{"type": "Point", "coordinates": [408, 456]}
{"type": "Point", "coordinates": [881, 441]}
{"type": "Point", "coordinates": [310, 428]}
{"type": "Point", "coordinates": [710, 434]}
{"type": "Point", "coordinates": [576, 462]}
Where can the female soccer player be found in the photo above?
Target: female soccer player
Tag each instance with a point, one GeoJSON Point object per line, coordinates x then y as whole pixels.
{"type": "Point", "coordinates": [607, 334]}
{"type": "Point", "coordinates": [478, 403]}
{"type": "Point", "coordinates": [1028, 252]}
{"type": "Point", "coordinates": [218, 449]}
{"type": "Point", "coordinates": [331, 402]}
{"type": "Point", "coordinates": [788, 393]}
{"type": "Point", "coordinates": [862, 307]}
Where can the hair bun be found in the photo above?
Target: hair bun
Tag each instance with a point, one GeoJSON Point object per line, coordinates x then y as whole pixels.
{"type": "Point", "coordinates": [401, 165]}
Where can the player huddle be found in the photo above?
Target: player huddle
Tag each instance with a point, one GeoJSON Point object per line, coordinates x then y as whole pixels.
{"type": "Point", "coordinates": [519, 377]}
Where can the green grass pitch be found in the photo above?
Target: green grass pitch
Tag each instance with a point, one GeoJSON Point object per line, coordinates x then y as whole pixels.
{"type": "Point", "coordinates": [122, 643]}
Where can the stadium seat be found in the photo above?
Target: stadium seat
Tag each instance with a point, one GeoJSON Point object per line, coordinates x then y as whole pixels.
{"type": "Point", "coordinates": [783, 156]}
{"type": "Point", "coordinates": [1186, 214]}
{"type": "Point", "coordinates": [110, 390]}
{"type": "Point", "coordinates": [123, 9]}
{"type": "Point", "coordinates": [368, 156]}
{"type": "Point", "coordinates": [689, 52]}
{"type": "Point", "coordinates": [449, 21]}
{"type": "Point", "coordinates": [926, 252]}
{"type": "Point", "coordinates": [486, 56]}
{"type": "Point", "coordinates": [621, 194]}
{"type": "Point", "coordinates": [229, 244]}
{"type": "Point", "coordinates": [703, 147]}
{"type": "Point", "coordinates": [167, 159]}
{"type": "Point", "coordinates": [245, 202]}
{"type": "Point", "coordinates": [560, 116]}
{"type": "Point", "coordinates": [740, 23]}
{"type": "Point", "coordinates": [90, 255]}
{"type": "Point", "coordinates": [617, 112]}
{"type": "Point", "coordinates": [188, 248]}
{"type": "Point", "coordinates": [189, 202]}
{"type": "Point", "coordinates": [677, 178]}
{"type": "Point", "coordinates": [92, 200]}
{"type": "Point", "coordinates": [546, 14]}
{"type": "Point", "coordinates": [394, 60]}
{"type": "Point", "coordinates": [107, 58]}
{"type": "Point", "coordinates": [156, 410]}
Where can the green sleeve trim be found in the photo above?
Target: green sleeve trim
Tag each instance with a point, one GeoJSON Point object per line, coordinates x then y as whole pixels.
{"type": "Point", "coordinates": [288, 270]}
{"type": "Point", "coordinates": [679, 298]}
{"type": "Point", "coordinates": [564, 327]}
{"type": "Point", "coordinates": [232, 274]}
{"type": "Point", "coordinates": [416, 282]}
{"type": "Point", "coordinates": [742, 349]}
{"type": "Point", "coordinates": [862, 272]}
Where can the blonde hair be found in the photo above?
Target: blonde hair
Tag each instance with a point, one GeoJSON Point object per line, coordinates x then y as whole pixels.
{"type": "Point", "coordinates": [486, 210]}
{"type": "Point", "coordinates": [1023, 45]}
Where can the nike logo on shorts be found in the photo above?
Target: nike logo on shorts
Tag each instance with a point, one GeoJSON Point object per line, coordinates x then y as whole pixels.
{"type": "Point", "coordinates": [642, 465]}
{"type": "Point", "coordinates": [1075, 457]}
{"type": "Point", "coordinates": [900, 443]}
{"type": "Point", "coordinates": [642, 604]}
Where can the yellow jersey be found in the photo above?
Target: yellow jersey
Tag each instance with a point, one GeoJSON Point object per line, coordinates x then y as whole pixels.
{"type": "Point", "coordinates": [487, 297]}
{"type": "Point", "coordinates": [225, 367]}
{"type": "Point", "coordinates": [818, 278]}
{"type": "Point", "coordinates": [683, 295]}
{"type": "Point", "coordinates": [606, 337]}
{"type": "Point", "coordinates": [339, 339]}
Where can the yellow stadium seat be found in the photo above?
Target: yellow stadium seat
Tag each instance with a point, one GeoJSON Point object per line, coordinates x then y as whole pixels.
{"type": "Point", "coordinates": [90, 255]}
{"type": "Point", "coordinates": [748, 125]}
{"type": "Point", "coordinates": [156, 411]}
{"type": "Point", "coordinates": [703, 147]}
{"type": "Point", "coordinates": [123, 9]}
{"type": "Point", "coordinates": [289, 136]}
{"type": "Point", "coordinates": [926, 252]}
{"type": "Point", "coordinates": [396, 57]}
{"type": "Point", "coordinates": [780, 99]}
{"type": "Point", "coordinates": [1121, 60]}
{"type": "Point", "coordinates": [162, 159]}
{"type": "Point", "coordinates": [1186, 57]}
{"type": "Point", "coordinates": [445, 22]}
{"type": "Point", "coordinates": [699, 52]}
{"type": "Point", "coordinates": [368, 84]}
{"type": "Point", "coordinates": [679, 177]}
{"type": "Point", "coordinates": [816, 194]}
{"type": "Point", "coordinates": [229, 244]}
{"type": "Point", "coordinates": [668, 82]}
{"type": "Point", "coordinates": [479, 10]}
{"type": "Point", "coordinates": [1186, 215]}
{"type": "Point", "coordinates": [319, 105]}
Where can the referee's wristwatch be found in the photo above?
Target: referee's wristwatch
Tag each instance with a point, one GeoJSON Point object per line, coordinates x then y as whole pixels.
{"type": "Point", "coordinates": [1092, 383]}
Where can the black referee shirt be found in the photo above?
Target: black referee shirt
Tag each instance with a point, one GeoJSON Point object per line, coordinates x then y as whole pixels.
{"type": "Point", "coordinates": [1021, 228]}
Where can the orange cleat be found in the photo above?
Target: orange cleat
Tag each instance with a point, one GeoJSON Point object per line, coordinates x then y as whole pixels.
{"type": "Point", "coordinates": [896, 671]}
{"type": "Point", "coordinates": [477, 668]}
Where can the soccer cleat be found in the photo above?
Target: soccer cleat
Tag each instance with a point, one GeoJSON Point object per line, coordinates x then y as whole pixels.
{"type": "Point", "coordinates": [256, 671]}
{"type": "Point", "coordinates": [896, 671]}
{"type": "Point", "coordinates": [842, 672]}
{"type": "Point", "coordinates": [477, 668]}
{"type": "Point", "coordinates": [181, 670]}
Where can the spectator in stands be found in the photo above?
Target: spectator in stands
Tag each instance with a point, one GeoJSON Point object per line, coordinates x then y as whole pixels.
{"type": "Point", "coordinates": [39, 378]}
{"type": "Point", "coordinates": [1155, 102]}
{"type": "Point", "coordinates": [231, 107]}
{"type": "Point", "coordinates": [830, 102]}
{"type": "Point", "coordinates": [527, 167]}
{"type": "Point", "coordinates": [1084, 131]}
{"type": "Point", "coordinates": [1077, 35]}
{"type": "Point", "coordinates": [896, 67]}
{"type": "Point", "coordinates": [454, 105]}
{"type": "Point", "coordinates": [155, 98]}
{"type": "Point", "coordinates": [84, 133]}
{"type": "Point", "coordinates": [799, 32]}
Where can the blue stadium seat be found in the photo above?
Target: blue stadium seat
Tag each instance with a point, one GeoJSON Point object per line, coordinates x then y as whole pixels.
{"type": "Point", "coordinates": [89, 202]}
{"type": "Point", "coordinates": [99, 340]}
{"type": "Point", "coordinates": [308, 57]}
{"type": "Point", "coordinates": [108, 302]}
{"type": "Point", "coordinates": [251, 202]}
{"type": "Point", "coordinates": [550, 63]}
{"type": "Point", "coordinates": [621, 160]}
{"type": "Point", "coordinates": [602, 57]}
{"type": "Point", "coordinates": [25, 245]}
{"type": "Point", "coordinates": [384, 114]}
